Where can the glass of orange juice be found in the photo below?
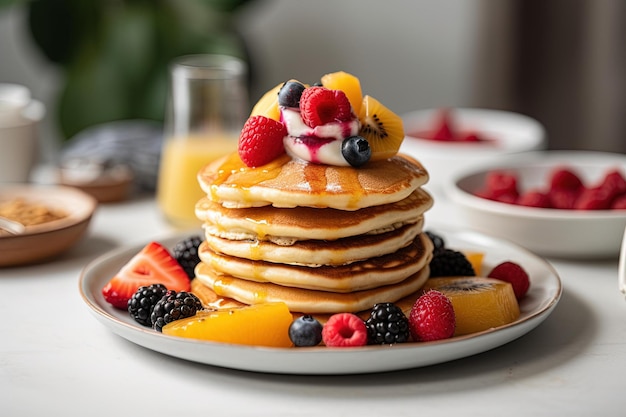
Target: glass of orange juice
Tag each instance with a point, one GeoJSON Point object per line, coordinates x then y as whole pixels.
{"type": "Point", "coordinates": [207, 108]}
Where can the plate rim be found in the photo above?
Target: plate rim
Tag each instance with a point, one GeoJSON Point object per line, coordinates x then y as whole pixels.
{"type": "Point", "coordinates": [289, 356]}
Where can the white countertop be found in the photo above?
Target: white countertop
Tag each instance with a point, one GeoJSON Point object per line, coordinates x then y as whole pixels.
{"type": "Point", "coordinates": [56, 359]}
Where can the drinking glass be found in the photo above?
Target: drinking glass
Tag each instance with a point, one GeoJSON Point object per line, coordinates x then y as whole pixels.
{"type": "Point", "coordinates": [207, 107]}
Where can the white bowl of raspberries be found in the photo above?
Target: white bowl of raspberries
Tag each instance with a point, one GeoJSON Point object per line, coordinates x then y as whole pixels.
{"type": "Point", "coordinates": [449, 140]}
{"type": "Point", "coordinates": [556, 203]}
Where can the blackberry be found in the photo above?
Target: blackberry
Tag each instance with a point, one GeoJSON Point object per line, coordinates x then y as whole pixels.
{"type": "Point", "coordinates": [449, 263]}
{"type": "Point", "coordinates": [186, 253]}
{"type": "Point", "coordinates": [174, 306]}
{"type": "Point", "coordinates": [437, 240]}
{"type": "Point", "coordinates": [140, 305]}
{"type": "Point", "coordinates": [387, 324]}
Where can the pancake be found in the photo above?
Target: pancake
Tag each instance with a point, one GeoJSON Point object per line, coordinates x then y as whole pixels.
{"type": "Point", "coordinates": [211, 300]}
{"type": "Point", "coordinates": [304, 300]}
{"type": "Point", "coordinates": [357, 276]}
{"type": "Point", "coordinates": [287, 182]}
{"type": "Point", "coordinates": [291, 224]}
{"type": "Point", "coordinates": [319, 252]}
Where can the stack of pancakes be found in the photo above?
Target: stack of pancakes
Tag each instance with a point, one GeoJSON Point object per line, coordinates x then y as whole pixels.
{"type": "Point", "coordinates": [322, 239]}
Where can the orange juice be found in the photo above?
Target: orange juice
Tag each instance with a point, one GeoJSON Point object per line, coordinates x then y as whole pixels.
{"type": "Point", "coordinates": [178, 189]}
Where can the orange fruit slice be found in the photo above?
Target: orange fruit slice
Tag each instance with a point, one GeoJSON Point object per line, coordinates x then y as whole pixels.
{"type": "Point", "coordinates": [476, 260]}
{"type": "Point", "coordinates": [479, 303]}
{"type": "Point", "coordinates": [347, 83]}
{"type": "Point", "coordinates": [268, 105]}
{"type": "Point", "coordinates": [264, 324]}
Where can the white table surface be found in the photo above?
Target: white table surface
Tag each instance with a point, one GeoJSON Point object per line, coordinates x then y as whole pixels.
{"type": "Point", "coordinates": [57, 359]}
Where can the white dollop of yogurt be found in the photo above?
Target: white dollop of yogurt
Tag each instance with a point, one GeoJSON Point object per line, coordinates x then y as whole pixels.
{"type": "Point", "coordinates": [320, 144]}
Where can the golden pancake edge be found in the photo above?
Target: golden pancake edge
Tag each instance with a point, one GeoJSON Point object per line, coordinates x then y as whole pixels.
{"type": "Point", "coordinates": [287, 182]}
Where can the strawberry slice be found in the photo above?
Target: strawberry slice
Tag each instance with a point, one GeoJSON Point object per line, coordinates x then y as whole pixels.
{"type": "Point", "coordinates": [152, 265]}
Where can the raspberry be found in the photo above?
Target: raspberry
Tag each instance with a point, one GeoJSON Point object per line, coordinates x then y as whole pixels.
{"type": "Point", "coordinates": [502, 182]}
{"type": "Point", "coordinates": [597, 198]}
{"type": "Point", "coordinates": [534, 199]}
{"type": "Point", "coordinates": [564, 199]}
{"type": "Point", "coordinates": [319, 105]}
{"type": "Point", "coordinates": [500, 186]}
{"type": "Point", "coordinates": [186, 254]}
{"type": "Point", "coordinates": [261, 140]}
{"type": "Point", "coordinates": [450, 263]}
{"type": "Point", "coordinates": [619, 202]}
{"type": "Point", "coordinates": [614, 182]}
{"type": "Point", "coordinates": [443, 130]}
{"type": "Point", "coordinates": [432, 317]}
{"type": "Point", "coordinates": [344, 330]}
{"type": "Point", "coordinates": [513, 273]}
{"type": "Point", "coordinates": [564, 179]}
{"type": "Point", "coordinates": [387, 324]}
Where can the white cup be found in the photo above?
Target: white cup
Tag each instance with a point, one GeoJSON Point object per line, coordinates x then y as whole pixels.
{"type": "Point", "coordinates": [20, 117]}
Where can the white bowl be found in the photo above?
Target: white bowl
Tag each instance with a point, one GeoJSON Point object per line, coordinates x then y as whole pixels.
{"type": "Point", "coordinates": [548, 232]}
{"type": "Point", "coordinates": [46, 241]}
{"type": "Point", "coordinates": [510, 133]}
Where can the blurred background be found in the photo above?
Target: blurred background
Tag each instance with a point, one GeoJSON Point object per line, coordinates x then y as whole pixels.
{"type": "Point", "coordinates": [559, 61]}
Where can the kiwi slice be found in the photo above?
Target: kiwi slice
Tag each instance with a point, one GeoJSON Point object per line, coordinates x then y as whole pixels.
{"type": "Point", "coordinates": [479, 303]}
{"type": "Point", "coordinates": [382, 128]}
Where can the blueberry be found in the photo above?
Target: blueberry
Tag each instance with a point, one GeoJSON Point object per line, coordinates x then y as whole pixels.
{"type": "Point", "coordinates": [356, 150]}
{"type": "Point", "coordinates": [305, 331]}
{"type": "Point", "coordinates": [290, 93]}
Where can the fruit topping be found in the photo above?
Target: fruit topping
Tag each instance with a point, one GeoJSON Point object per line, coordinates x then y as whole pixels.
{"type": "Point", "coordinates": [500, 186]}
{"type": "Point", "coordinates": [319, 105]}
{"type": "Point", "coordinates": [264, 324]}
{"type": "Point", "coordinates": [387, 324]}
{"type": "Point", "coordinates": [513, 273]}
{"type": "Point", "coordinates": [432, 317]}
{"type": "Point", "coordinates": [382, 128]}
{"type": "Point", "coordinates": [347, 83]}
{"type": "Point", "coordinates": [174, 306]}
{"type": "Point", "coordinates": [329, 123]}
{"type": "Point", "coordinates": [449, 262]}
{"type": "Point", "coordinates": [565, 179]}
{"type": "Point", "coordinates": [152, 265]}
{"type": "Point", "coordinates": [142, 303]}
{"type": "Point", "coordinates": [305, 331]}
{"type": "Point", "coordinates": [356, 150]}
{"type": "Point", "coordinates": [344, 330]}
{"type": "Point", "coordinates": [186, 253]}
{"type": "Point", "coordinates": [268, 105]}
{"type": "Point", "coordinates": [444, 129]}
{"type": "Point", "coordinates": [290, 93]}
{"type": "Point", "coordinates": [564, 189]}
{"type": "Point", "coordinates": [476, 260]}
{"type": "Point", "coordinates": [261, 141]}
{"type": "Point", "coordinates": [479, 303]}
{"type": "Point", "coordinates": [534, 198]}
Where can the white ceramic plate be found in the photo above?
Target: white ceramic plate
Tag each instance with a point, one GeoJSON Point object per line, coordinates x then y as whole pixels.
{"type": "Point", "coordinates": [543, 296]}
